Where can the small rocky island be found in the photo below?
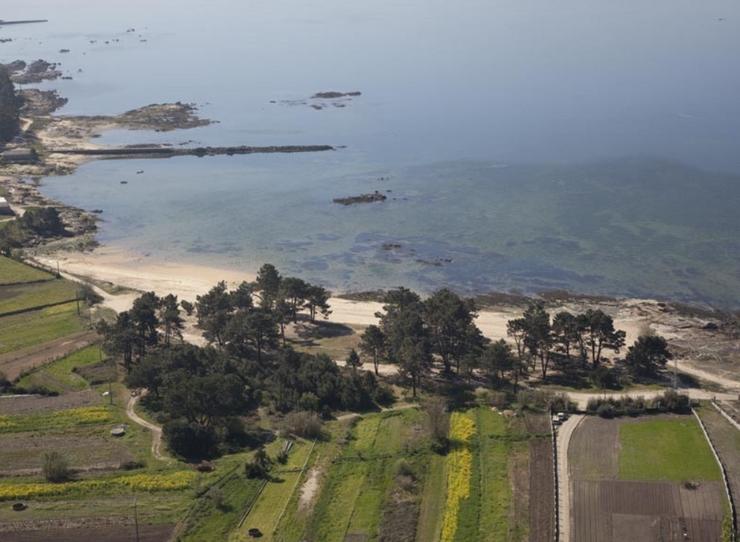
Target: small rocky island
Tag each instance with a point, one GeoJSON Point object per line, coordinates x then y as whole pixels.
{"type": "Point", "coordinates": [362, 198]}
{"type": "Point", "coordinates": [332, 94]}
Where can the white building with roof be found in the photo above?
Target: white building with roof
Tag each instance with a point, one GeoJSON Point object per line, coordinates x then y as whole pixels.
{"type": "Point", "coordinates": [5, 207]}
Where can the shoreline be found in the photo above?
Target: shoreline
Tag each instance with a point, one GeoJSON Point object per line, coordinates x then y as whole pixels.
{"type": "Point", "coordinates": [688, 334]}
{"type": "Point", "coordinates": [139, 272]}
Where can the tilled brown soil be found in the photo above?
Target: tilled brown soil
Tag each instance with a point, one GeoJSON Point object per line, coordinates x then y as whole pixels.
{"type": "Point", "coordinates": [541, 480]}
{"type": "Point", "coordinates": [593, 452]}
{"type": "Point", "coordinates": [541, 491]}
{"type": "Point", "coordinates": [113, 533]}
{"type": "Point", "coordinates": [28, 404]}
{"type": "Point", "coordinates": [609, 510]}
{"type": "Point", "coordinates": [617, 510]}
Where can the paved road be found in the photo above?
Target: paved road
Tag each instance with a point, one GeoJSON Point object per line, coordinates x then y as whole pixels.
{"type": "Point", "coordinates": [564, 432]}
{"type": "Point", "coordinates": [155, 429]}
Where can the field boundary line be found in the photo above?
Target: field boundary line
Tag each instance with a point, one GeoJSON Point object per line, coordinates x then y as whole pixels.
{"type": "Point", "coordinates": [726, 415]}
{"type": "Point", "coordinates": [298, 481]}
{"type": "Point", "coordinates": [251, 505]}
{"type": "Point", "coordinates": [556, 490]}
{"type": "Point", "coordinates": [25, 283]}
{"type": "Point", "coordinates": [725, 480]}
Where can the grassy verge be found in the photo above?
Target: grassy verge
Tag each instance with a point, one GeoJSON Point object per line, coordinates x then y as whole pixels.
{"type": "Point", "coordinates": [432, 500]}
{"type": "Point", "coordinates": [665, 449]}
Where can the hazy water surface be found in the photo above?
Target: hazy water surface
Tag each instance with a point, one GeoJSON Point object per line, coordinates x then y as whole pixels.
{"type": "Point", "coordinates": [525, 144]}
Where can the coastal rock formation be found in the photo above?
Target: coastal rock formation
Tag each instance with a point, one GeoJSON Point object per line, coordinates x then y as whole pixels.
{"type": "Point", "coordinates": [35, 72]}
{"type": "Point", "coordinates": [40, 102]}
{"type": "Point", "coordinates": [163, 117]}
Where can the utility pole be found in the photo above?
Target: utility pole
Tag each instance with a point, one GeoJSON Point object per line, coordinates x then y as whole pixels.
{"type": "Point", "coordinates": [675, 374]}
{"type": "Point", "coordinates": [136, 520]}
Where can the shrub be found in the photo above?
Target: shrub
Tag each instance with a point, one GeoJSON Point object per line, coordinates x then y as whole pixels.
{"type": "Point", "coordinates": [55, 468]}
{"type": "Point", "coordinates": [384, 396]}
{"type": "Point", "coordinates": [438, 422]}
{"type": "Point", "coordinates": [4, 382]}
{"type": "Point", "coordinates": [604, 378]}
{"type": "Point", "coordinates": [282, 456]}
{"type": "Point", "coordinates": [132, 465]}
{"type": "Point", "coordinates": [404, 468]}
{"type": "Point", "coordinates": [606, 410]}
{"type": "Point", "coordinates": [672, 401]}
{"type": "Point", "coordinates": [217, 497]}
{"type": "Point", "coordinates": [259, 466]}
{"type": "Point", "coordinates": [189, 440]}
{"type": "Point", "coordinates": [303, 424]}
{"type": "Point", "coordinates": [89, 295]}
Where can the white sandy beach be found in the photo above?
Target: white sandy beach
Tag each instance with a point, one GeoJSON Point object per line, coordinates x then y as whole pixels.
{"type": "Point", "coordinates": [145, 273]}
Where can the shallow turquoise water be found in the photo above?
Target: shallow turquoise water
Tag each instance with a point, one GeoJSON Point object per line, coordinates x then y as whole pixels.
{"type": "Point", "coordinates": [505, 131]}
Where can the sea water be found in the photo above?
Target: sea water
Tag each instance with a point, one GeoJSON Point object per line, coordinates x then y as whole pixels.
{"type": "Point", "coordinates": [522, 145]}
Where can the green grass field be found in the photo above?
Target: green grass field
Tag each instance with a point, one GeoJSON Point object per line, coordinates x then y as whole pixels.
{"type": "Point", "coordinates": [25, 296]}
{"type": "Point", "coordinates": [13, 272]}
{"type": "Point", "coordinates": [37, 327]}
{"type": "Point", "coordinates": [665, 449]}
{"type": "Point", "coordinates": [59, 376]}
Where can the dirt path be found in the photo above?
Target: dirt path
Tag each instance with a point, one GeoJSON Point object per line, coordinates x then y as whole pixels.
{"type": "Point", "coordinates": [14, 363]}
{"type": "Point", "coordinates": [726, 415]}
{"type": "Point", "coordinates": [564, 432]}
{"type": "Point", "coordinates": [727, 383]}
{"type": "Point", "coordinates": [155, 429]}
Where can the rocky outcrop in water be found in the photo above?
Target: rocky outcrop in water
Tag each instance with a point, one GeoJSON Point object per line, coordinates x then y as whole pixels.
{"type": "Point", "coordinates": [35, 72]}
{"type": "Point", "coordinates": [362, 198]}
{"type": "Point", "coordinates": [333, 94]}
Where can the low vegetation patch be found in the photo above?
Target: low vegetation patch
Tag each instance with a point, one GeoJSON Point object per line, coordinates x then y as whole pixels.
{"type": "Point", "coordinates": [136, 482]}
{"type": "Point", "coordinates": [459, 472]}
{"type": "Point", "coordinates": [59, 420]}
